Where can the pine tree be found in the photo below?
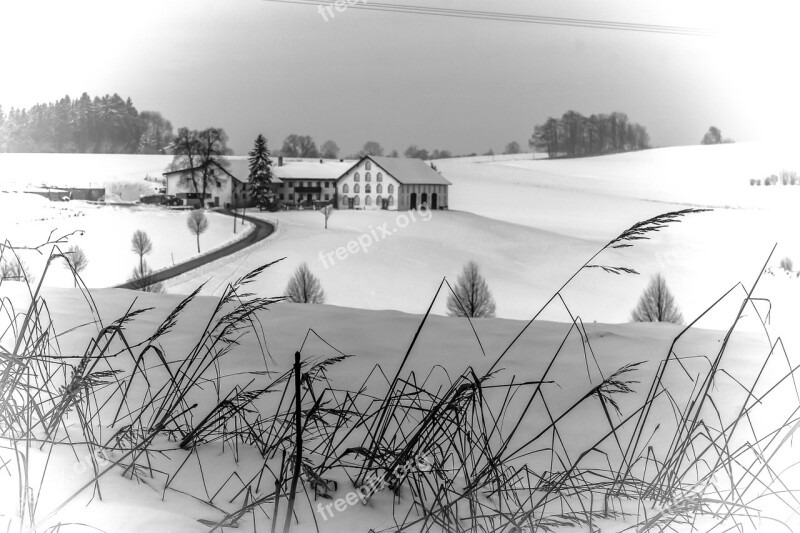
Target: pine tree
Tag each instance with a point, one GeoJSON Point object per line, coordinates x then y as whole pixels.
{"type": "Point", "coordinates": [471, 296]}
{"type": "Point", "coordinates": [657, 304]}
{"type": "Point", "coordinates": [261, 174]}
{"type": "Point", "coordinates": [304, 287]}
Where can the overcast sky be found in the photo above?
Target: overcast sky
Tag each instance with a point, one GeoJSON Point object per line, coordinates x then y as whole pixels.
{"type": "Point", "coordinates": [252, 66]}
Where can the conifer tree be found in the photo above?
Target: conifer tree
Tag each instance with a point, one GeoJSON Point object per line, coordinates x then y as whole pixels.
{"type": "Point", "coordinates": [261, 174]}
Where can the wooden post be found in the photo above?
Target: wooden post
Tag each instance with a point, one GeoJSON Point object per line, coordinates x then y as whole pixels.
{"type": "Point", "coordinates": [298, 451]}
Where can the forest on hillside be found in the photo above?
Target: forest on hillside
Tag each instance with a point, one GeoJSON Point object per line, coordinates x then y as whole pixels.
{"type": "Point", "coordinates": [575, 135]}
{"type": "Point", "coordinates": [99, 125]}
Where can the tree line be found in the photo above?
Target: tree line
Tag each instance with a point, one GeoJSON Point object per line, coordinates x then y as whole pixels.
{"type": "Point", "coordinates": [100, 125]}
{"type": "Point", "coordinates": [575, 135]}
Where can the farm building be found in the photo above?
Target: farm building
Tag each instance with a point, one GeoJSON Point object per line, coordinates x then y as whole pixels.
{"type": "Point", "coordinates": [227, 188]}
{"type": "Point", "coordinates": [369, 183]}
{"type": "Point", "coordinates": [391, 183]}
{"type": "Point", "coordinates": [304, 181]}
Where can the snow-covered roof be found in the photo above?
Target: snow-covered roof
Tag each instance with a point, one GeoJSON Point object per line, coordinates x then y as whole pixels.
{"type": "Point", "coordinates": [238, 166]}
{"type": "Point", "coordinates": [328, 169]}
{"type": "Point", "coordinates": [409, 171]}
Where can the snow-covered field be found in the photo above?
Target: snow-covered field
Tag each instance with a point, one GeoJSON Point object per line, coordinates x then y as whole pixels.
{"type": "Point", "coordinates": [529, 225]}
{"type": "Point", "coordinates": [373, 338]}
{"type": "Point", "coordinates": [104, 233]}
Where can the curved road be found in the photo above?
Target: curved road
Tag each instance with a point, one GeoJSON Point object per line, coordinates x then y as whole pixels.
{"type": "Point", "coordinates": [263, 229]}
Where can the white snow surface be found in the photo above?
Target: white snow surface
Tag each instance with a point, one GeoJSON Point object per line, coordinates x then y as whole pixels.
{"type": "Point", "coordinates": [104, 233]}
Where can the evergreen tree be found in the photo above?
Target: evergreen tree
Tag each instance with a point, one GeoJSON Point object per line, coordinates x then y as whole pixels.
{"type": "Point", "coordinates": [261, 174]}
{"type": "Point", "coordinates": [471, 296]}
{"type": "Point", "coordinates": [657, 304]}
{"type": "Point", "coordinates": [304, 287]}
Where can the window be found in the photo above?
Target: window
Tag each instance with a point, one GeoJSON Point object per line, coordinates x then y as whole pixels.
{"type": "Point", "coordinates": [327, 196]}
{"type": "Point", "coordinates": [289, 184]}
{"type": "Point", "coordinates": [343, 200]}
{"type": "Point", "coordinates": [379, 188]}
{"type": "Point", "coordinates": [391, 200]}
{"type": "Point", "coordinates": [345, 189]}
{"type": "Point", "coordinates": [326, 184]}
{"type": "Point", "coordinates": [379, 177]}
{"type": "Point", "coordinates": [280, 196]}
{"type": "Point", "coordinates": [391, 188]}
{"type": "Point", "coordinates": [368, 177]}
{"type": "Point", "coordinates": [378, 201]}
{"type": "Point", "coordinates": [356, 177]}
{"type": "Point", "coordinates": [367, 188]}
{"type": "Point", "coordinates": [368, 165]}
{"type": "Point", "coordinates": [368, 200]}
{"type": "Point", "coordinates": [291, 196]}
{"type": "Point", "coordinates": [356, 188]}
{"type": "Point", "coordinates": [355, 200]}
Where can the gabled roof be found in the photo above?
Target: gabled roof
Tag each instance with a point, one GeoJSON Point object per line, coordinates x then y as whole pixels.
{"type": "Point", "coordinates": [406, 171]}
{"type": "Point", "coordinates": [238, 168]}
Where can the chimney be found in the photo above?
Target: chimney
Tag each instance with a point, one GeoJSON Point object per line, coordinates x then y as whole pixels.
{"type": "Point", "coordinates": [280, 160]}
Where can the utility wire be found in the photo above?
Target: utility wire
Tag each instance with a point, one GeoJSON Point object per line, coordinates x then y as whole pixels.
{"type": "Point", "coordinates": [509, 17]}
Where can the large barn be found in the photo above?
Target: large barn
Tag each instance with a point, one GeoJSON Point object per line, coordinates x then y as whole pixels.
{"type": "Point", "coordinates": [391, 183]}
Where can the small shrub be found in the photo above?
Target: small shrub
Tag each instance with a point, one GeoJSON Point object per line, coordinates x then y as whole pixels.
{"type": "Point", "coordinates": [471, 296]}
{"type": "Point", "coordinates": [786, 264]}
{"type": "Point", "coordinates": [304, 287]}
{"type": "Point", "coordinates": [657, 304]}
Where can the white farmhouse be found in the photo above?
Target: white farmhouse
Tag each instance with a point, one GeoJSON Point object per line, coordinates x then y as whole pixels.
{"type": "Point", "coordinates": [391, 183]}
{"type": "Point", "coordinates": [227, 188]}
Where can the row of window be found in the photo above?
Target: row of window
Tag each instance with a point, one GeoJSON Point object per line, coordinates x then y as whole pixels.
{"type": "Point", "coordinates": [345, 201]}
{"type": "Point", "coordinates": [300, 196]}
{"type": "Point", "coordinates": [367, 176]}
{"type": "Point", "coordinates": [367, 188]}
{"type": "Point", "coordinates": [291, 184]}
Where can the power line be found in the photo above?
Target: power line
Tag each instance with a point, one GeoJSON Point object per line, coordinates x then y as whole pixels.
{"type": "Point", "coordinates": [512, 17]}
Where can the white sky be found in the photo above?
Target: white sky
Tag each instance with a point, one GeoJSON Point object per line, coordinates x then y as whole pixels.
{"type": "Point", "coordinates": [251, 66]}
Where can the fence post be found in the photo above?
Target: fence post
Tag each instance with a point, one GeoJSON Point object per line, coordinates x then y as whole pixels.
{"type": "Point", "coordinates": [298, 448]}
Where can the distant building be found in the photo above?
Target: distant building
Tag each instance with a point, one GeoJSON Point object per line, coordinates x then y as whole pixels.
{"type": "Point", "coordinates": [391, 183]}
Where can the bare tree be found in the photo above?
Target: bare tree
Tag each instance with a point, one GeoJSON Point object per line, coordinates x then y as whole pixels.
{"type": "Point", "coordinates": [76, 260]}
{"type": "Point", "coordinates": [471, 296]}
{"type": "Point", "coordinates": [513, 148]}
{"type": "Point", "coordinates": [372, 148]}
{"type": "Point", "coordinates": [197, 224]}
{"type": "Point", "coordinates": [327, 211]}
{"type": "Point", "coordinates": [329, 150]}
{"type": "Point", "coordinates": [304, 287]}
{"type": "Point", "coordinates": [141, 245]}
{"type": "Point", "coordinates": [657, 304]}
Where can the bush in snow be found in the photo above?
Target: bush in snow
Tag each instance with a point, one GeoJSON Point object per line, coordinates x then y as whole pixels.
{"type": "Point", "coordinates": [471, 296]}
{"type": "Point", "coordinates": [142, 276]}
{"type": "Point", "coordinates": [786, 264]}
{"type": "Point", "coordinates": [304, 287]}
{"type": "Point", "coordinates": [15, 270]}
{"type": "Point", "coordinates": [657, 304]}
